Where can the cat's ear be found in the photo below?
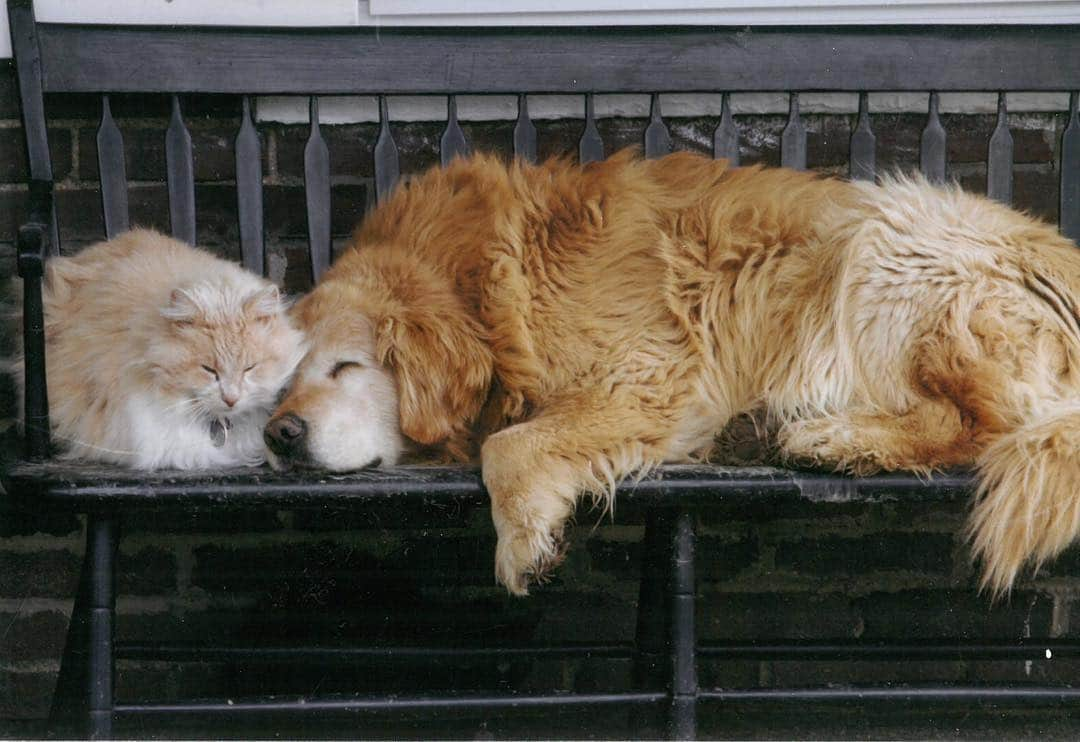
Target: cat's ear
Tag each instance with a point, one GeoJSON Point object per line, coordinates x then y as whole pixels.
{"type": "Point", "coordinates": [182, 307]}
{"type": "Point", "coordinates": [264, 303]}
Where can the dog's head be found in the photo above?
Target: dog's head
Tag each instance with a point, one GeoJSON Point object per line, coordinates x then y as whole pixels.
{"type": "Point", "coordinates": [394, 360]}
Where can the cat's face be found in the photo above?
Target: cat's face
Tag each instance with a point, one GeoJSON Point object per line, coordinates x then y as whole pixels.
{"type": "Point", "coordinates": [225, 350]}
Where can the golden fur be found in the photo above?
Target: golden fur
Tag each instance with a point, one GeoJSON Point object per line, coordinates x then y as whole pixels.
{"type": "Point", "coordinates": [575, 325]}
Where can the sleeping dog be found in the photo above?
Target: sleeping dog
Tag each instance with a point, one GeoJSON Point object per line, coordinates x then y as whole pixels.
{"type": "Point", "coordinates": [571, 325]}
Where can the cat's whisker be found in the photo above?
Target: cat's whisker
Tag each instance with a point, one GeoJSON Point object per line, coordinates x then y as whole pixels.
{"type": "Point", "coordinates": [180, 404]}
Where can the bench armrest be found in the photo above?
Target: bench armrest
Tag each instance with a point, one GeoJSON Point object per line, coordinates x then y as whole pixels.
{"type": "Point", "coordinates": [33, 250]}
{"type": "Point", "coordinates": [32, 242]}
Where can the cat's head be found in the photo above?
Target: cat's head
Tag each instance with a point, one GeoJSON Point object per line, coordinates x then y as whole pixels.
{"type": "Point", "coordinates": [227, 346]}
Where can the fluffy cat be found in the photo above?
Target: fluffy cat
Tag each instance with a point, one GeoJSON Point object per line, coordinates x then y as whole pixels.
{"type": "Point", "coordinates": [160, 355]}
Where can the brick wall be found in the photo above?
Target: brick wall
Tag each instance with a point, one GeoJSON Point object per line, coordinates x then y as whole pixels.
{"type": "Point", "coordinates": [886, 571]}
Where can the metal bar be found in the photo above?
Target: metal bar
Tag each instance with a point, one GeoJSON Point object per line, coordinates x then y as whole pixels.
{"type": "Point", "coordinates": [453, 143]}
{"type": "Point", "coordinates": [89, 487]}
{"type": "Point", "coordinates": [657, 137]}
{"type": "Point", "coordinates": [249, 193]}
{"type": "Point", "coordinates": [793, 138]}
{"type": "Point", "coordinates": [726, 136]}
{"type": "Point", "coordinates": [999, 159]}
{"type": "Point", "coordinates": [387, 166]}
{"type": "Point", "coordinates": [524, 132]}
{"type": "Point", "coordinates": [196, 653]}
{"type": "Point", "coordinates": [459, 702]}
{"type": "Point", "coordinates": [114, 190]}
{"type": "Point", "coordinates": [28, 68]}
{"type": "Point", "coordinates": [938, 694]}
{"type": "Point", "coordinates": [32, 245]}
{"type": "Point", "coordinates": [101, 537]}
{"type": "Point", "coordinates": [932, 145]}
{"type": "Point", "coordinates": [390, 61]}
{"type": "Point", "coordinates": [1070, 174]}
{"type": "Point", "coordinates": [591, 146]}
{"type": "Point", "coordinates": [1029, 649]}
{"type": "Point", "coordinates": [862, 162]}
{"type": "Point", "coordinates": [682, 723]}
{"type": "Point", "coordinates": [317, 194]}
{"type": "Point", "coordinates": [652, 630]}
{"type": "Point", "coordinates": [181, 176]}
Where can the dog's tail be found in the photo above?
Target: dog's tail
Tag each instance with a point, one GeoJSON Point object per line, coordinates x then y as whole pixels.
{"type": "Point", "coordinates": [1027, 507]}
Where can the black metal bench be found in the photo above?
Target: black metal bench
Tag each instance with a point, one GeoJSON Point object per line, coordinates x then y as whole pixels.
{"type": "Point", "coordinates": [55, 58]}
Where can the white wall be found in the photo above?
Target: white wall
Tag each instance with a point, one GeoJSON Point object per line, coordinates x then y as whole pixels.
{"type": "Point", "coordinates": [543, 12]}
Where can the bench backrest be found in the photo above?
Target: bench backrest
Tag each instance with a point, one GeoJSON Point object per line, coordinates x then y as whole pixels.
{"type": "Point", "coordinates": [63, 58]}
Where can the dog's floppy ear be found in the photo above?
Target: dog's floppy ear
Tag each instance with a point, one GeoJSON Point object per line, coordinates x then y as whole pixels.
{"type": "Point", "coordinates": [439, 357]}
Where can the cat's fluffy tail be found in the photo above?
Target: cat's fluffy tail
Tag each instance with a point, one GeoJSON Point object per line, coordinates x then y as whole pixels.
{"type": "Point", "coordinates": [1027, 508]}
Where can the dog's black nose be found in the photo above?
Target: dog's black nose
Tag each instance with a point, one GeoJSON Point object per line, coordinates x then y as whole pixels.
{"type": "Point", "coordinates": [285, 434]}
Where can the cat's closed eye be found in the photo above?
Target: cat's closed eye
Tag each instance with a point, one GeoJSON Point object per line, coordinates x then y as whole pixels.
{"type": "Point", "coordinates": [212, 371]}
{"type": "Point", "coordinates": [250, 367]}
{"type": "Point", "coordinates": [342, 366]}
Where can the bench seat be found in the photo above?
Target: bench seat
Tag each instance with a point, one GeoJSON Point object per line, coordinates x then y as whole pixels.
{"type": "Point", "coordinates": [83, 487]}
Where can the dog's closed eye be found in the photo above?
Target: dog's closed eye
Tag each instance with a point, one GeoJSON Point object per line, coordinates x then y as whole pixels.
{"type": "Point", "coordinates": [342, 366]}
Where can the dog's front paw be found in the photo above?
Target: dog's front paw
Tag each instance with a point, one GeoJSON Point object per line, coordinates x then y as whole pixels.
{"type": "Point", "coordinates": [525, 553]}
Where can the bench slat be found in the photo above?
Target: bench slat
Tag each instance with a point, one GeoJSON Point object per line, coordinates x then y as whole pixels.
{"type": "Point", "coordinates": [1070, 173]}
{"type": "Point", "coordinates": [387, 165]}
{"type": "Point", "coordinates": [249, 193]}
{"type": "Point", "coordinates": [726, 136]}
{"type": "Point", "coordinates": [932, 145]}
{"type": "Point", "coordinates": [524, 132]}
{"type": "Point", "coordinates": [453, 143]}
{"type": "Point", "coordinates": [113, 172]}
{"type": "Point", "coordinates": [181, 176]}
{"type": "Point", "coordinates": [999, 160]}
{"type": "Point", "coordinates": [317, 194]}
{"type": "Point", "coordinates": [793, 139]}
{"type": "Point", "coordinates": [395, 61]}
{"type": "Point", "coordinates": [591, 146]}
{"type": "Point", "coordinates": [862, 163]}
{"type": "Point", "coordinates": [657, 137]}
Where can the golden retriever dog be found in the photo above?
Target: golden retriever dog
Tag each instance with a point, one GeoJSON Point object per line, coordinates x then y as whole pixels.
{"type": "Point", "coordinates": [573, 325]}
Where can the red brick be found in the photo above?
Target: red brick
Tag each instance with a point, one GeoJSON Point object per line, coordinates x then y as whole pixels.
{"type": "Point", "coordinates": [927, 553]}
{"type": "Point", "coordinates": [26, 694]}
{"type": "Point", "coordinates": [13, 163]}
{"type": "Point", "coordinates": [32, 637]}
{"type": "Point", "coordinates": [968, 139]}
{"type": "Point", "coordinates": [787, 615]}
{"type": "Point", "coordinates": [49, 573]}
{"type": "Point", "coordinates": [148, 571]}
{"type": "Point", "coordinates": [9, 91]}
{"type": "Point", "coordinates": [959, 612]}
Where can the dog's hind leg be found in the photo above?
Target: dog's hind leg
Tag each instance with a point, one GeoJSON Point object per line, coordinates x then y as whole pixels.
{"type": "Point", "coordinates": [535, 472]}
{"type": "Point", "coordinates": [996, 384]}
{"type": "Point", "coordinates": [929, 436]}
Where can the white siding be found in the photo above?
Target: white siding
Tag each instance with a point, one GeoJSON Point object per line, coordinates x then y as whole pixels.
{"type": "Point", "coordinates": [543, 12]}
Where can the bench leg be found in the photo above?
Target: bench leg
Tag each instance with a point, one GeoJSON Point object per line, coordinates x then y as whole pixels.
{"type": "Point", "coordinates": [682, 723]}
{"type": "Point", "coordinates": [101, 559]}
{"type": "Point", "coordinates": [69, 705]}
{"type": "Point", "coordinates": [651, 635]}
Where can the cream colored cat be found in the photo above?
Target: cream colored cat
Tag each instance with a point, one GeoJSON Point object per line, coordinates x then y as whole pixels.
{"type": "Point", "coordinates": [160, 355]}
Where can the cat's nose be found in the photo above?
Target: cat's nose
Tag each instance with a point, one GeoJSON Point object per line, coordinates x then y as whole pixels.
{"type": "Point", "coordinates": [284, 434]}
{"type": "Point", "coordinates": [229, 400]}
